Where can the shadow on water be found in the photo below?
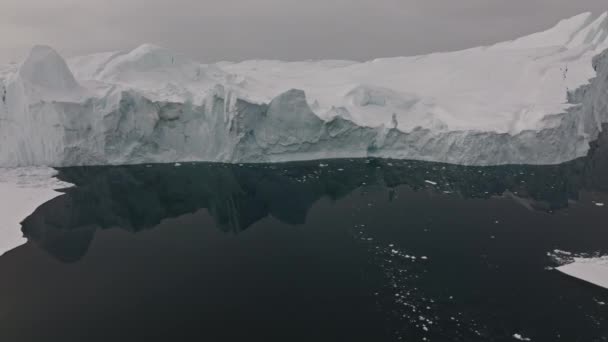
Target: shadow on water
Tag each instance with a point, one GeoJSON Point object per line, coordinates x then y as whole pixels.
{"type": "Point", "coordinates": [363, 250]}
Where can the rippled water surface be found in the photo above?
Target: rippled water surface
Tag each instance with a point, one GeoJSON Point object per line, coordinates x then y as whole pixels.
{"type": "Point", "coordinates": [349, 250]}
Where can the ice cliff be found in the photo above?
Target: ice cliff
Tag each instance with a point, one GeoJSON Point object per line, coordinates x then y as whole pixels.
{"type": "Point", "coordinates": [539, 99]}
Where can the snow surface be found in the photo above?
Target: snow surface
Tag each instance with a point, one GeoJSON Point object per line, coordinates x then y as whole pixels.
{"type": "Point", "coordinates": [538, 99]}
{"type": "Point", "coordinates": [22, 191]}
{"type": "Point", "coordinates": [592, 270]}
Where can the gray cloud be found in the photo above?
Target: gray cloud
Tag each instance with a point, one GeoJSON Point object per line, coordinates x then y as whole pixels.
{"type": "Point", "coordinates": [213, 30]}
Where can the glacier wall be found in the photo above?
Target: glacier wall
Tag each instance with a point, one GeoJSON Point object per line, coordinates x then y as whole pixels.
{"type": "Point", "coordinates": [124, 127]}
{"type": "Point", "coordinates": [127, 128]}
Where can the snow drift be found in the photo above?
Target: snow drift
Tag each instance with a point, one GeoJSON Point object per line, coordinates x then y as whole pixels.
{"type": "Point", "coordinates": [540, 99]}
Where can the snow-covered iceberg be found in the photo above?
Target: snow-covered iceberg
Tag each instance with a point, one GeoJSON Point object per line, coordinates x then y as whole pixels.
{"type": "Point", "coordinates": [540, 99]}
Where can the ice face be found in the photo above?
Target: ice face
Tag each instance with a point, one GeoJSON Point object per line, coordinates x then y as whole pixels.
{"type": "Point", "coordinates": [540, 99]}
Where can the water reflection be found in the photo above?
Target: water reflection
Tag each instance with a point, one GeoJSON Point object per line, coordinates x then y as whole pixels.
{"type": "Point", "coordinates": [436, 248]}
{"type": "Point", "coordinates": [136, 198]}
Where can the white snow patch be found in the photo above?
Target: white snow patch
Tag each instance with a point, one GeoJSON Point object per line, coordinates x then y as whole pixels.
{"type": "Point", "coordinates": [22, 190]}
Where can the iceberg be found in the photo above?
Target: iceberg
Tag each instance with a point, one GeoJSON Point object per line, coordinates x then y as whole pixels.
{"type": "Point", "coordinates": [539, 99]}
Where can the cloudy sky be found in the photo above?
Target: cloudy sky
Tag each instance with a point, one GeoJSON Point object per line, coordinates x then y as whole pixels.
{"type": "Point", "coordinates": [212, 30]}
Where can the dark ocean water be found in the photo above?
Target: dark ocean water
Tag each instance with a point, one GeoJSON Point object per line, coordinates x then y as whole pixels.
{"type": "Point", "coordinates": [347, 250]}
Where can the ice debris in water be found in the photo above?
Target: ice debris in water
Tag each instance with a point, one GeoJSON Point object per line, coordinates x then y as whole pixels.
{"type": "Point", "coordinates": [521, 337]}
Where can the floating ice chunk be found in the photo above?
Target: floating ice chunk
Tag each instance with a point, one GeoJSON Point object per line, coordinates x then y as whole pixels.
{"type": "Point", "coordinates": [521, 337]}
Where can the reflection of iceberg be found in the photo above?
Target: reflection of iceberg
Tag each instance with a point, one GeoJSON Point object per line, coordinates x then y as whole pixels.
{"type": "Point", "coordinates": [537, 100]}
{"type": "Point", "coordinates": [136, 198]}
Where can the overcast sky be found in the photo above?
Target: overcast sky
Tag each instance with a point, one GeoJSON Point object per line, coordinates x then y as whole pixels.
{"type": "Point", "coordinates": [212, 30]}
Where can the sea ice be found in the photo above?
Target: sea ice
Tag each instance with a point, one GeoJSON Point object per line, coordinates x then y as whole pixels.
{"type": "Point", "coordinates": [22, 191]}
{"type": "Point", "coordinates": [591, 270]}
